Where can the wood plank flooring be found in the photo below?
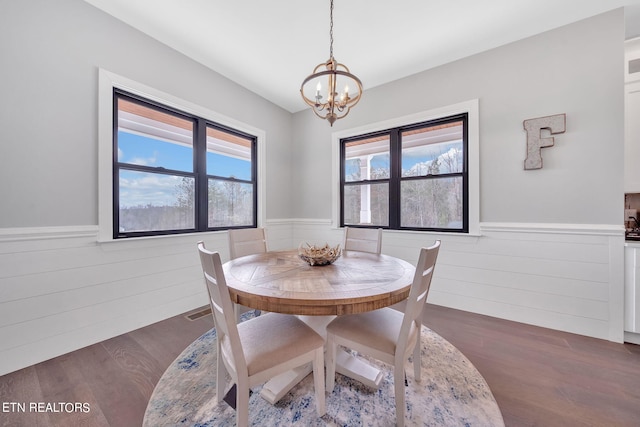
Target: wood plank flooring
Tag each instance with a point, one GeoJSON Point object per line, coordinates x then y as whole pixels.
{"type": "Point", "coordinates": [538, 376]}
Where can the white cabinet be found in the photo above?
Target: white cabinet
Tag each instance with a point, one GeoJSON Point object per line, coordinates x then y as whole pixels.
{"type": "Point", "coordinates": [630, 279]}
{"type": "Point", "coordinates": [632, 292]}
{"type": "Point", "coordinates": [632, 117]}
{"type": "Point", "coordinates": [632, 138]}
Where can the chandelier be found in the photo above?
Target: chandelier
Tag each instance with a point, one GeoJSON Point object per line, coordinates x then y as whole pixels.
{"type": "Point", "coordinates": [325, 101]}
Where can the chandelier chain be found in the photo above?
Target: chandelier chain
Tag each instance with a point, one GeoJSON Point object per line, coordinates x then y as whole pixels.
{"type": "Point", "coordinates": [331, 31]}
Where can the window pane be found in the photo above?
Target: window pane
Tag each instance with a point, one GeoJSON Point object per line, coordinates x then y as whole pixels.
{"type": "Point", "coordinates": [153, 202]}
{"type": "Point", "coordinates": [230, 203]}
{"type": "Point", "coordinates": [228, 155]}
{"type": "Point", "coordinates": [432, 150]}
{"type": "Point", "coordinates": [432, 203]}
{"type": "Point", "coordinates": [366, 204]}
{"type": "Point", "coordinates": [367, 159]}
{"type": "Point", "coordinates": [149, 137]}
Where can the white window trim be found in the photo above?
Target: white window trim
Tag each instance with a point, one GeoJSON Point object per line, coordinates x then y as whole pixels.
{"type": "Point", "coordinates": [107, 81]}
{"type": "Point", "coordinates": [473, 150]}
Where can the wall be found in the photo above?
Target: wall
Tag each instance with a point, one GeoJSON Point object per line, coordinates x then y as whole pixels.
{"type": "Point", "coordinates": [550, 249]}
{"type": "Point", "coordinates": [547, 74]}
{"type": "Point", "coordinates": [50, 108]}
{"type": "Point", "coordinates": [59, 289]}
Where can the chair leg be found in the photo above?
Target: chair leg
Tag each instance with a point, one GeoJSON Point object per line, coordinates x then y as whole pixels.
{"type": "Point", "coordinates": [318, 378]}
{"type": "Point", "coordinates": [220, 373]}
{"type": "Point", "coordinates": [237, 311]}
{"type": "Point", "coordinates": [331, 363]}
{"type": "Point", "coordinates": [417, 360]}
{"type": "Point", "coordinates": [242, 404]}
{"type": "Point", "coordinates": [398, 385]}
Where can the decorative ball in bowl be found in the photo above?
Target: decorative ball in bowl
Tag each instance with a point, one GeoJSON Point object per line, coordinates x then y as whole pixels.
{"type": "Point", "coordinates": [319, 255]}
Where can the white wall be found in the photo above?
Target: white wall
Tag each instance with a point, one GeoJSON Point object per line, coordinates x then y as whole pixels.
{"type": "Point", "coordinates": [52, 52]}
{"type": "Point", "coordinates": [551, 73]}
{"type": "Point", "coordinates": [59, 289]}
{"type": "Point", "coordinates": [550, 251]}
{"type": "Point", "coordinates": [557, 276]}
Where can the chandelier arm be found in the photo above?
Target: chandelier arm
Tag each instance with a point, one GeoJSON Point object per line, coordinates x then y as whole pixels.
{"type": "Point", "coordinates": [317, 113]}
{"type": "Point", "coordinates": [331, 101]}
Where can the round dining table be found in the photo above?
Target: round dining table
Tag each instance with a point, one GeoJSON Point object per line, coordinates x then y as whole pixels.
{"type": "Point", "coordinates": [280, 281]}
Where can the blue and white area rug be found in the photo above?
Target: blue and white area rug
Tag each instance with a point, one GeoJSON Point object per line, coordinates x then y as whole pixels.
{"type": "Point", "coordinates": [452, 393]}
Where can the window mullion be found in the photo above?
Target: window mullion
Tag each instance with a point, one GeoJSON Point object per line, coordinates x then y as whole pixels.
{"type": "Point", "coordinates": [254, 178]}
{"type": "Point", "coordinates": [200, 168]}
{"type": "Point", "coordinates": [395, 159]}
{"type": "Point", "coordinates": [342, 179]}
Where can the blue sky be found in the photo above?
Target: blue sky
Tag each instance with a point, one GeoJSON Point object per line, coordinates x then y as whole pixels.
{"type": "Point", "coordinates": [142, 189]}
{"type": "Point", "coordinates": [410, 157]}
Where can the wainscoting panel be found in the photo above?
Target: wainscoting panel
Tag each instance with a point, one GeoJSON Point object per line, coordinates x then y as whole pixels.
{"type": "Point", "coordinates": [566, 277]}
{"type": "Point", "coordinates": [278, 232]}
{"type": "Point", "coordinates": [61, 289]}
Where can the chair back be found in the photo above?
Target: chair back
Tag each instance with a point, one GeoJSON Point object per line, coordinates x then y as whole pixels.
{"type": "Point", "coordinates": [418, 295]}
{"type": "Point", "coordinates": [363, 240]}
{"type": "Point", "coordinates": [246, 241]}
{"type": "Point", "coordinates": [222, 310]}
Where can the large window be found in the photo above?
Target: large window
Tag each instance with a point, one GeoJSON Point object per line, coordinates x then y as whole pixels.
{"type": "Point", "coordinates": [408, 177]}
{"type": "Point", "coordinates": [175, 172]}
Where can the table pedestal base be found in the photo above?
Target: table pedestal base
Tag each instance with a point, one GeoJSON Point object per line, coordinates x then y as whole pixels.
{"type": "Point", "coordinates": [346, 364]}
{"type": "Point", "coordinates": [352, 367]}
{"type": "Point", "coordinates": [278, 386]}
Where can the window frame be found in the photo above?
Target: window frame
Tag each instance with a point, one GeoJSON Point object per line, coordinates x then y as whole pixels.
{"type": "Point", "coordinates": [107, 116]}
{"type": "Point", "coordinates": [396, 179]}
{"type": "Point", "coordinates": [470, 108]}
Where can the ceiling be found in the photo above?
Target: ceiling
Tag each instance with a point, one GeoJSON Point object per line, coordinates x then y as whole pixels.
{"type": "Point", "coordinates": [269, 47]}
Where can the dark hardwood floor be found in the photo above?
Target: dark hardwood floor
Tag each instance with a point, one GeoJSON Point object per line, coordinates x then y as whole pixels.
{"type": "Point", "coordinates": [542, 377]}
{"type": "Point", "coordinates": [538, 376]}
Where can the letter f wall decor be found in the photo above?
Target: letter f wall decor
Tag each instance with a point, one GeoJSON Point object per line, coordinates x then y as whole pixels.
{"type": "Point", "coordinates": [535, 142]}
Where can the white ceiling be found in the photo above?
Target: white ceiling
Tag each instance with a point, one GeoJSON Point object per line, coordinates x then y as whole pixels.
{"type": "Point", "coordinates": [269, 47]}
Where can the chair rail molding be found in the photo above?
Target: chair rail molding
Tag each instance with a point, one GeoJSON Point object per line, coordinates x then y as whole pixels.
{"type": "Point", "coordinates": [34, 233]}
{"type": "Point", "coordinates": [597, 229]}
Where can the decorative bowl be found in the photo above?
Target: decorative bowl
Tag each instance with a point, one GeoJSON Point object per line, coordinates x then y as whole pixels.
{"type": "Point", "coordinates": [319, 255]}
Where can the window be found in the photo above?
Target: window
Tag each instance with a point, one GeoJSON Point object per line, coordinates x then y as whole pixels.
{"type": "Point", "coordinates": [412, 177]}
{"type": "Point", "coordinates": [175, 172]}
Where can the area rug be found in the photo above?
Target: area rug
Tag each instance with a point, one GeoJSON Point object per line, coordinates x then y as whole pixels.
{"type": "Point", "coordinates": [451, 393]}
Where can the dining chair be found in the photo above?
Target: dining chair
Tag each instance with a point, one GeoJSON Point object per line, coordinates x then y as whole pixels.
{"type": "Point", "coordinates": [246, 241]}
{"type": "Point", "coordinates": [362, 239]}
{"type": "Point", "coordinates": [387, 334]}
{"type": "Point", "coordinates": [260, 348]}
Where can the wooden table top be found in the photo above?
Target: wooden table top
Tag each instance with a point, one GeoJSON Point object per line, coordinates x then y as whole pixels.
{"type": "Point", "coordinates": [282, 282]}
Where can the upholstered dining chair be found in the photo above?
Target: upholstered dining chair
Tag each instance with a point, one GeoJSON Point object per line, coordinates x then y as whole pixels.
{"type": "Point", "coordinates": [387, 334]}
{"type": "Point", "coordinates": [246, 241]}
{"type": "Point", "coordinates": [362, 239]}
{"type": "Point", "coordinates": [260, 348]}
